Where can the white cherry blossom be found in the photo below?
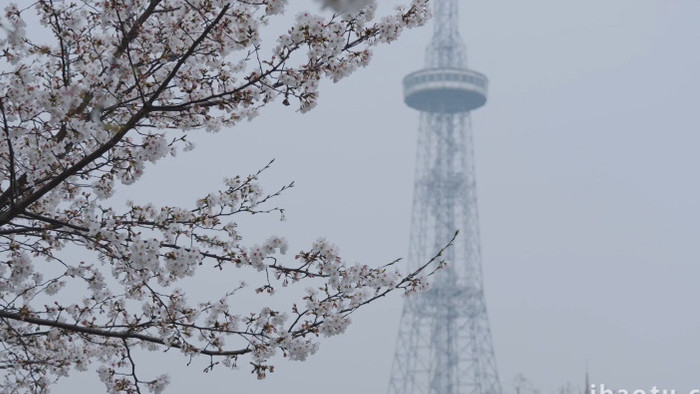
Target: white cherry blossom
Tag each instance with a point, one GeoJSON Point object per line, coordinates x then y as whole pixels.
{"type": "Point", "coordinates": [93, 95]}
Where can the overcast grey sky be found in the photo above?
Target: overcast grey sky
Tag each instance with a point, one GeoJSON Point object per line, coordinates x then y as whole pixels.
{"type": "Point", "coordinates": [587, 174]}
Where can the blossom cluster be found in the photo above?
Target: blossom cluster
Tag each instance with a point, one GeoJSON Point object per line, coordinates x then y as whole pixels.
{"type": "Point", "coordinates": [90, 97]}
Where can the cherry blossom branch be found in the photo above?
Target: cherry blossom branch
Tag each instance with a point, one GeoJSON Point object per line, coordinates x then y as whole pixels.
{"type": "Point", "coordinates": [11, 153]}
{"type": "Point", "coordinates": [50, 185]}
{"type": "Point", "coordinates": [106, 333]}
{"type": "Point", "coordinates": [91, 109]}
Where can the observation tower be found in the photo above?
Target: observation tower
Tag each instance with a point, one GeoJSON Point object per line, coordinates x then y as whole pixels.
{"type": "Point", "coordinates": [444, 344]}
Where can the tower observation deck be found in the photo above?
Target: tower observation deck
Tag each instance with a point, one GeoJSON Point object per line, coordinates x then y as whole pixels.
{"type": "Point", "coordinates": [446, 90]}
{"type": "Point", "coordinates": [444, 344]}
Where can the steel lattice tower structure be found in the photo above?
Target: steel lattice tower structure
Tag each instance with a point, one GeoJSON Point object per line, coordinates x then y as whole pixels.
{"type": "Point", "coordinates": [444, 344]}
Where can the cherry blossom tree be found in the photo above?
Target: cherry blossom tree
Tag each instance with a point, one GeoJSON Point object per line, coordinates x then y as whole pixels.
{"type": "Point", "coordinates": [93, 91]}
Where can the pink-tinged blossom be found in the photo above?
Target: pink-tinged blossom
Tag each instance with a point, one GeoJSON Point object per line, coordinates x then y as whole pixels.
{"type": "Point", "coordinates": [92, 96]}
